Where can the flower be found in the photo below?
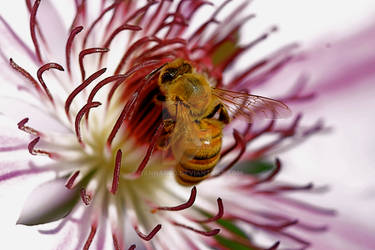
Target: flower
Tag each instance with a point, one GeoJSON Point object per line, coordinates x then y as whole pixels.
{"type": "Point", "coordinates": [101, 122]}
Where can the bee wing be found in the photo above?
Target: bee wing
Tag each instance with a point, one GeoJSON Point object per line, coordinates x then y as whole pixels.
{"type": "Point", "coordinates": [185, 133]}
{"type": "Point", "coordinates": [248, 106]}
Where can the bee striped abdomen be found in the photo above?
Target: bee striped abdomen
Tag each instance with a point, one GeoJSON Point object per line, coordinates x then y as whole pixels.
{"type": "Point", "coordinates": [197, 162]}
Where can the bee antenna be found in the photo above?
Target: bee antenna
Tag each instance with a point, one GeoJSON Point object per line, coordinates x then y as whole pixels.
{"type": "Point", "coordinates": [152, 73]}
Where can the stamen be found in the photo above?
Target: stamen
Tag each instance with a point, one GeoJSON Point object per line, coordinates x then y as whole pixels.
{"type": "Point", "coordinates": [121, 78]}
{"type": "Point", "coordinates": [69, 43]}
{"type": "Point", "coordinates": [85, 52]}
{"type": "Point", "coordinates": [305, 206]}
{"type": "Point", "coordinates": [97, 21]}
{"type": "Point", "coordinates": [100, 85]}
{"type": "Point", "coordinates": [81, 87]}
{"type": "Point", "coordinates": [212, 232]}
{"type": "Point", "coordinates": [116, 172]}
{"type": "Point", "coordinates": [274, 246]}
{"type": "Point", "coordinates": [267, 128]}
{"type": "Point", "coordinates": [263, 37]}
{"type": "Point", "coordinates": [218, 216]}
{"type": "Point", "coordinates": [40, 78]}
{"type": "Point", "coordinates": [86, 198]}
{"type": "Point", "coordinates": [135, 68]}
{"type": "Point", "coordinates": [120, 120]}
{"type": "Point", "coordinates": [27, 129]}
{"type": "Point", "coordinates": [32, 29]}
{"type": "Point", "coordinates": [149, 152]}
{"type": "Point", "coordinates": [33, 151]}
{"type": "Point", "coordinates": [270, 177]}
{"type": "Point", "coordinates": [91, 237]}
{"type": "Point", "coordinates": [80, 10]}
{"type": "Point", "coordinates": [313, 228]}
{"type": "Point", "coordinates": [295, 93]}
{"type": "Point", "coordinates": [247, 72]}
{"type": "Point", "coordinates": [71, 180]}
{"type": "Point", "coordinates": [292, 129]}
{"type": "Point", "coordinates": [211, 20]}
{"type": "Point", "coordinates": [138, 44]}
{"type": "Point", "coordinates": [267, 74]}
{"type": "Point", "coordinates": [116, 32]}
{"type": "Point", "coordinates": [162, 45]}
{"type": "Point", "coordinates": [116, 245]}
{"type": "Point", "coordinates": [21, 43]}
{"type": "Point", "coordinates": [239, 141]}
{"type": "Point", "coordinates": [284, 188]}
{"type": "Point", "coordinates": [171, 24]}
{"type": "Point", "coordinates": [183, 206]}
{"type": "Point", "coordinates": [150, 235]}
{"type": "Point", "coordinates": [155, 15]}
{"type": "Point", "coordinates": [140, 10]}
{"type": "Point", "coordinates": [25, 74]}
{"type": "Point", "coordinates": [132, 247]}
{"type": "Point", "coordinates": [79, 116]}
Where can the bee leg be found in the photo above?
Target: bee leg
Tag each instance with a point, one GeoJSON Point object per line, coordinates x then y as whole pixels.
{"type": "Point", "coordinates": [163, 141]}
{"type": "Point", "coordinates": [224, 115]}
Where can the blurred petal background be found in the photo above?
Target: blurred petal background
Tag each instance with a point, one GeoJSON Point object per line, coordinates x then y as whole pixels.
{"type": "Point", "coordinates": [337, 39]}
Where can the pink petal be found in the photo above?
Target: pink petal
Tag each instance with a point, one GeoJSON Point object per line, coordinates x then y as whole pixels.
{"type": "Point", "coordinates": [48, 202]}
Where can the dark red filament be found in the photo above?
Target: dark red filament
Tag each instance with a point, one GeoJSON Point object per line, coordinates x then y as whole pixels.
{"type": "Point", "coordinates": [141, 43]}
{"type": "Point", "coordinates": [239, 141]}
{"type": "Point", "coordinates": [149, 152]}
{"type": "Point", "coordinates": [25, 74]}
{"type": "Point", "coordinates": [120, 120]}
{"type": "Point", "coordinates": [97, 20]}
{"type": "Point", "coordinates": [116, 245]}
{"type": "Point", "coordinates": [116, 32]}
{"type": "Point", "coordinates": [32, 145]}
{"type": "Point", "coordinates": [274, 246]}
{"type": "Point", "coordinates": [183, 206]}
{"type": "Point", "coordinates": [218, 216]}
{"type": "Point", "coordinates": [116, 172]}
{"type": "Point", "coordinates": [132, 247]}
{"type": "Point", "coordinates": [71, 180]}
{"type": "Point", "coordinates": [268, 178]}
{"type": "Point", "coordinates": [69, 43]}
{"type": "Point", "coordinates": [271, 175]}
{"type": "Point", "coordinates": [132, 70]}
{"type": "Point", "coordinates": [284, 188]}
{"type": "Point", "coordinates": [101, 84]}
{"type": "Point", "coordinates": [33, 151]}
{"type": "Point", "coordinates": [40, 78]}
{"type": "Point", "coordinates": [150, 235]}
{"type": "Point", "coordinates": [81, 87]}
{"type": "Point", "coordinates": [90, 238]}
{"type": "Point", "coordinates": [120, 79]}
{"type": "Point", "coordinates": [79, 116]}
{"type": "Point", "coordinates": [85, 52]}
{"type": "Point", "coordinates": [86, 198]}
{"type": "Point", "coordinates": [27, 129]}
{"type": "Point", "coordinates": [212, 232]}
{"type": "Point", "coordinates": [32, 29]}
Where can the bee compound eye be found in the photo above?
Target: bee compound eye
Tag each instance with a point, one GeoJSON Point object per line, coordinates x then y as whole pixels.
{"type": "Point", "coordinates": [168, 75]}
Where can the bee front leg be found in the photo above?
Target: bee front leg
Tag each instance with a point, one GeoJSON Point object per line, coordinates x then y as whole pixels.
{"type": "Point", "coordinates": [224, 115]}
{"type": "Point", "coordinates": [163, 141]}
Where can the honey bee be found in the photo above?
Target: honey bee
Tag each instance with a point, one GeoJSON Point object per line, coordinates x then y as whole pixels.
{"type": "Point", "coordinates": [196, 114]}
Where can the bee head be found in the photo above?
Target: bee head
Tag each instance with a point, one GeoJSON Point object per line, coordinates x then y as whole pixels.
{"type": "Point", "coordinates": [173, 70]}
